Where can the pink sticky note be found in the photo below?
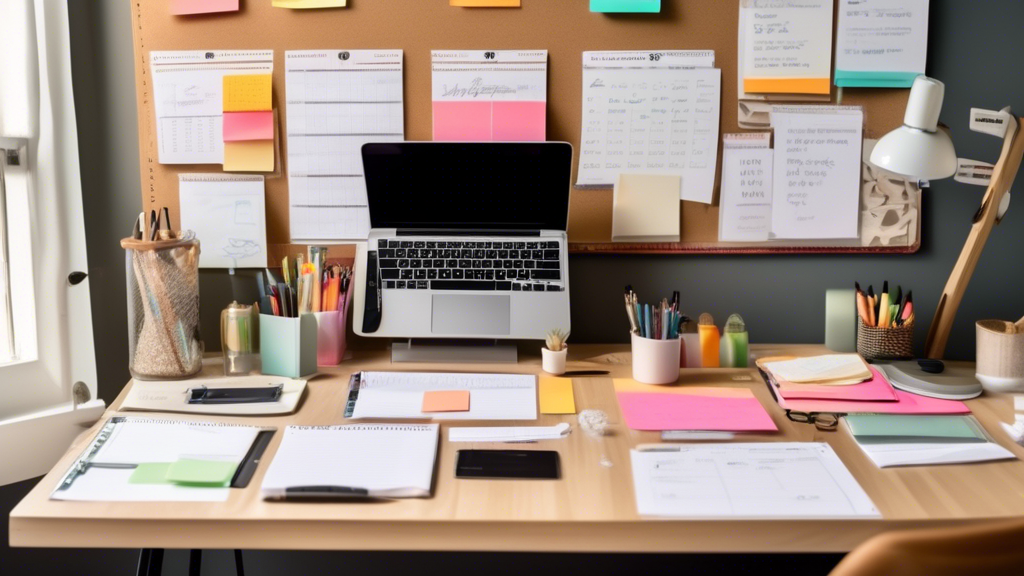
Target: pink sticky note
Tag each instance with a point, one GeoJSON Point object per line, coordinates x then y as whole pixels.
{"type": "Point", "coordinates": [445, 401]}
{"type": "Point", "coordinates": [906, 403]}
{"type": "Point", "coordinates": [184, 7]}
{"type": "Point", "coordinates": [240, 126]}
{"type": "Point", "coordinates": [462, 121]}
{"type": "Point", "coordinates": [519, 121]}
{"type": "Point", "coordinates": [878, 389]}
{"type": "Point", "coordinates": [653, 411]}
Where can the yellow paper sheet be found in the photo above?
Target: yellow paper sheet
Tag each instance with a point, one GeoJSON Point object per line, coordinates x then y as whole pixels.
{"type": "Point", "coordinates": [300, 4]}
{"type": "Point", "coordinates": [630, 385]}
{"type": "Point", "coordinates": [486, 3]}
{"type": "Point", "coordinates": [556, 396]}
{"type": "Point", "coordinates": [249, 156]}
{"type": "Point", "coordinates": [247, 92]}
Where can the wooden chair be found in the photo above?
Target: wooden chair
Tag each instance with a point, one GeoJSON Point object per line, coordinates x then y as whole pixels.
{"type": "Point", "coordinates": [993, 548]}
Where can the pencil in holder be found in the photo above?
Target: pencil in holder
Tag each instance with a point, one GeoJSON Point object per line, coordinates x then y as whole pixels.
{"type": "Point", "coordinates": [332, 330]}
{"type": "Point", "coordinates": [288, 346]}
{"type": "Point", "coordinates": [655, 361]}
{"type": "Point", "coordinates": [885, 343]}
{"type": "Point", "coordinates": [162, 278]}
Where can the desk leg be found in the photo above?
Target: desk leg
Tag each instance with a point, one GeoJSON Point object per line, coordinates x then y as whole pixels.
{"type": "Point", "coordinates": [239, 570]}
{"type": "Point", "coordinates": [195, 563]}
{"type": "Point", "coordinates": [151, 562]}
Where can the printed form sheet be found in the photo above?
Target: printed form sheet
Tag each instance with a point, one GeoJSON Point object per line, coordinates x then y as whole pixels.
{"type": "Point", "coordinates": [188, 100]}
{"type": "Point", "coordinates": [654, 113]}
{"type": "Point", "coordinates": [496, 95]}
{"type": "Point", "coordinates": [748, 480]}
{"type": "Point", "coordinates": [337, 100]}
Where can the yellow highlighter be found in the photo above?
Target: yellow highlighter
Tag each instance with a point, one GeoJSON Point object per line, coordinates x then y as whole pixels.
{"type": "Point", "coordinates": [709, 339]}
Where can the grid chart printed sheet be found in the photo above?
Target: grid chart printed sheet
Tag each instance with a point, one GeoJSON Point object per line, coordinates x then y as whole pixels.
{"type": "Point", "coordinates": [337, 100]}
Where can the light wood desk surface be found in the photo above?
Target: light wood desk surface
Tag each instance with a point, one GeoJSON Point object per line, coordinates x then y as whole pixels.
{"type": "Point", "coordinates": [592, 508]}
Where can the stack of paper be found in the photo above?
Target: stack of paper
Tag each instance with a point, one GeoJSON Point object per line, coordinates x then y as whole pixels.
{"type": "Point", "coordinates": [828, 369]}
{"type": "Point", "coordinates": [359, 460]}
{"type": "Point", "coordinates": [691, 408]}
{"type": "Point", "coordinates": [921, 440]}
{"type": "Point", "coordinates": [248, 123]}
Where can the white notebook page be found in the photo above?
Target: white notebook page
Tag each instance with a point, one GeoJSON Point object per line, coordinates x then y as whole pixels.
{"type": "Point", "coordinates": [491, 396]}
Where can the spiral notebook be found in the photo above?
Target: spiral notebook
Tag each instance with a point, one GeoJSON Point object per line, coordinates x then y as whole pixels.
{"type": "Point", "coordinates": [353, 461]}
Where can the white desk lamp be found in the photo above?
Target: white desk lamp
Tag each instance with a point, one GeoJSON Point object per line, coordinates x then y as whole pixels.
{"type": "Point", "coordinates": [920, 149]}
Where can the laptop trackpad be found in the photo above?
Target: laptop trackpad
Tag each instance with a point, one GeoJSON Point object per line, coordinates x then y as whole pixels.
{"type": "Point", "coordinates": [470, 314]}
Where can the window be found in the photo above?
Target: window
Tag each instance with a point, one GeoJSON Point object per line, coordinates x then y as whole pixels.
{"type": "Point", "coordinates": [47, 363]}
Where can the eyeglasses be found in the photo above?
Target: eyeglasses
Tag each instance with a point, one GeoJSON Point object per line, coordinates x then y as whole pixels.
{"type": "Point", "coordinates": [827, 421]}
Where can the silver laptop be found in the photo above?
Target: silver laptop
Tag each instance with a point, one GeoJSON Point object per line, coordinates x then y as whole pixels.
{"type": "Point", "coordinates": [467, 240]}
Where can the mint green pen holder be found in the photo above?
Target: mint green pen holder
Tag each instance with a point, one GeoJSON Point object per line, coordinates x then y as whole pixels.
{"type": "Point", "coordinates": [288, 345]}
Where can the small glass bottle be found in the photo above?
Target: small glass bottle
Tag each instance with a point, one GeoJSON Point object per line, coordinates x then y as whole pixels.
{"type": "Point", "coordinates": [735, 343]}
{"type": "Point", "coordinates": [708, 341]}
{"type": "Point", "coordinates": [236, 339]}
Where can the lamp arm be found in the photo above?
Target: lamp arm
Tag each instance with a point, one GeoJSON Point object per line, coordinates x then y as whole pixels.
{"type": "Point", "coordinates": [1003, 175]}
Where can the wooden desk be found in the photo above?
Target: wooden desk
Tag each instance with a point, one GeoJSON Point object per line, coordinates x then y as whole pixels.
{"type": "Point", "coordinates": [591, 509]}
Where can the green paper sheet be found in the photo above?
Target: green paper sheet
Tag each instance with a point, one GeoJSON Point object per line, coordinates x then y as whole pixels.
{"type": "Point", "coordinates": [201, 472]}
{"type": "Point", "coordinates": [150, 473]}
{"type": "Point", "coordinates": [884, 428]}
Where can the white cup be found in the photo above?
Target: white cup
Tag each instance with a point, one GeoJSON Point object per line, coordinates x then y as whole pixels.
{"type": "Point", "coordinates": [655, 361]}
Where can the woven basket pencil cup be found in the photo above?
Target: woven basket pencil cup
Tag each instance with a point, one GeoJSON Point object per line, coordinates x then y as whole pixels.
{"type": "Point", "coordinates": [884, 343]}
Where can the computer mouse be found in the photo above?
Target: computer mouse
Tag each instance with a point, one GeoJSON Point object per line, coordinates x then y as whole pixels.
{"type": "Point", "coordinates": [931, 366]}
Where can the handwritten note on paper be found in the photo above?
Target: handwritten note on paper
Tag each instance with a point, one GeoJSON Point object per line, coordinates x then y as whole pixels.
{"type": "Point", "coordinates": [337, 100]}
{"type": "Point", "coordinates": [481, 96]}
{"type": "Point", "coordinates": [817, 172]}
{"type": "Point", "coordinates": [787, 46]}
{"type": "Point", "coordinates": [881, 43]}
{"type": "Point", "coordinates": [651, 112]}
{"type": "Point", "coordinates": [745, 209]}
{"type": "Point", "coordinates": [228, 215]}
{"type": "Point", "coordinates": [185, 7]}
{"type": "Point", "coordinates": [646, 6]}
{"type": "Point", "coordinates": [188, 100]}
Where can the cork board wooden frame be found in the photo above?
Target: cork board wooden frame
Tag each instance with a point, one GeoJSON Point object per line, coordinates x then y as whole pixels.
{"type": "Point", "coordinates": [566, 28]}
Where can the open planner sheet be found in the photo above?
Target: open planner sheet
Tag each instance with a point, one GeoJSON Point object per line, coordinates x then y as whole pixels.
{"type": "Point", "coordinates": [337, 100]}
{"type": "Point", "coordinates": [748, 480]}
{"type": "Point", "coordinates": [400, 395]}
{"type": "Point", "coordinates": [127, 459]}
{"type": "Point", "coordinates": [188, 96]}
{"type": "Point", "coordinates": [653, 112]}
{"type": "Point", "coordinates": [357, 460]}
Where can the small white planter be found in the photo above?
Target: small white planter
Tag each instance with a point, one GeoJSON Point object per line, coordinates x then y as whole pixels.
{"type": "Point", "coordinates": [553, 362]}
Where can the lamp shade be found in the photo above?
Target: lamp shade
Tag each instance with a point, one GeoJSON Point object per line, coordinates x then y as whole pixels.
{"type": "Point", "coordinates": [918, 149]}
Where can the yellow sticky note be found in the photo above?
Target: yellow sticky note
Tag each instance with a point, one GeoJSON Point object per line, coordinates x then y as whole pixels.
{"type": "Point", "coordinates": [249, 156]}
{"type": "Point", "coordinates": [247, 92]}
{"type": "Point", "coordinates": [486, 3]}
{"type": "Point", "coordinates": [556, 396]}
{"type": "Point", "coordinates": [445, 401]}
{"type": "Point", "coordinates": [300, 4]}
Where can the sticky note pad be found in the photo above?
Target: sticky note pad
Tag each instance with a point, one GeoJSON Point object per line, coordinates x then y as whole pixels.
{"type": "Point", "coordinates": [201, 472]}
{"type": "Point", "coordinates": [445, 401]}
{"type": "Point", "coordinates": [248, 126]}
{"type": "Point", "coordinates": [646, 6]}
{"type": "Point", "coordinates": [300, 4]}
{"type": "Point", "coordinates": [646, 208]}
{"type": "Point", "coordinates": [556, 396]}
{"type": "Point", "coordinates": [249, 156]}
{"type": "Point", "coordinates": [486, 3]}
{"type": "Point", "coordinates": [247, 92]}
{"type": "Point", "coordinates": [150, 473]}
{"type": "Point", "coordinates": [185, 7]}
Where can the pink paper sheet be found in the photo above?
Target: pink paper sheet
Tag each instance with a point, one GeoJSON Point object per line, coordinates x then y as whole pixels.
{"type": "Point", "coordinates": [183, 7]}
{"type": "Point", "coordinates": [906, 403]}
{"type": "Point", "coordinates": [456, 121]}
{"type": "Point", "coordinates": [654, 411]}
{"type": "Point", "coordinates": [240, 126]}
{"type": "Point", "coordinates": [878, 389]}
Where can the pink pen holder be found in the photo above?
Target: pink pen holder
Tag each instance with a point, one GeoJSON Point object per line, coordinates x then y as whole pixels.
{"type": "Point", "coordinates": [332, 328]}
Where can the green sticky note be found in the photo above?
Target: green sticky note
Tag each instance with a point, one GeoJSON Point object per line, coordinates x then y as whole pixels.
{"type": "Point", "coordinates": [646, 6]}
{"type": "Point", "coordinates": [150, 473]}
{"type": "Point", "coordinates": [201, 472]}
{"type": "Point", "coordinates": [885, 428]}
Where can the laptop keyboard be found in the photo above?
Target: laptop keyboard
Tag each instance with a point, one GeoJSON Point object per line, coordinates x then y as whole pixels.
{"type": "Point", "coordinates": [526, 266]}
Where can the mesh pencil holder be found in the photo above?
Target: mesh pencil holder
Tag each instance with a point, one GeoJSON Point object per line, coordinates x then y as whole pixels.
{"type": "Point", "coordinates": [884, 343]}
{"type": "Point", "coordinates": [163, 308]}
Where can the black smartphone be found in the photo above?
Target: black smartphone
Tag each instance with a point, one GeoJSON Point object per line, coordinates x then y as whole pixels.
{"type": "Point", "coordinates": [507, 464]}
{"type": "Point", "coordinates": [204, 395]}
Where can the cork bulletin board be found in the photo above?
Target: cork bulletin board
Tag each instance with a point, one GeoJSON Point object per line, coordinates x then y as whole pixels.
{"type": "Point", "coordinates": [566, 28]}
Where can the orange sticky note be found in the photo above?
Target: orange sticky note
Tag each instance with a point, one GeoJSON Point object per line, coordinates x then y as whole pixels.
{"type": "Point", "coordinates": [445, 401]}
{"type": "Point", "coordinates": [247, 92]}
{"type": "Point", "coordinates": [249, 156]}
{"type": "Point", "coordinates": [486, 3]}
{"type": "Point", "coordinates": [556, 396]}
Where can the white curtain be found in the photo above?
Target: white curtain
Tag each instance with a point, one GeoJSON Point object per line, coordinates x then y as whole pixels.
{"type": "Point", "coordinates": [18, 78]}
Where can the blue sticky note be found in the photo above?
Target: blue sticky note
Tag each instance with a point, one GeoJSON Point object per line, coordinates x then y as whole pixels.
{"type": "Point", "coordinates": [645, 6]}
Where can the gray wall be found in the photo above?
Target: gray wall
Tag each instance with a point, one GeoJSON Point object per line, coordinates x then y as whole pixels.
{"type": "Point", "coordinates": [973, 48]}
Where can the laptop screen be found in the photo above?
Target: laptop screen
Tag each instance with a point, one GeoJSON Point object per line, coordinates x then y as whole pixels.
{"type": "Point", "coordinates": [458, 185]}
